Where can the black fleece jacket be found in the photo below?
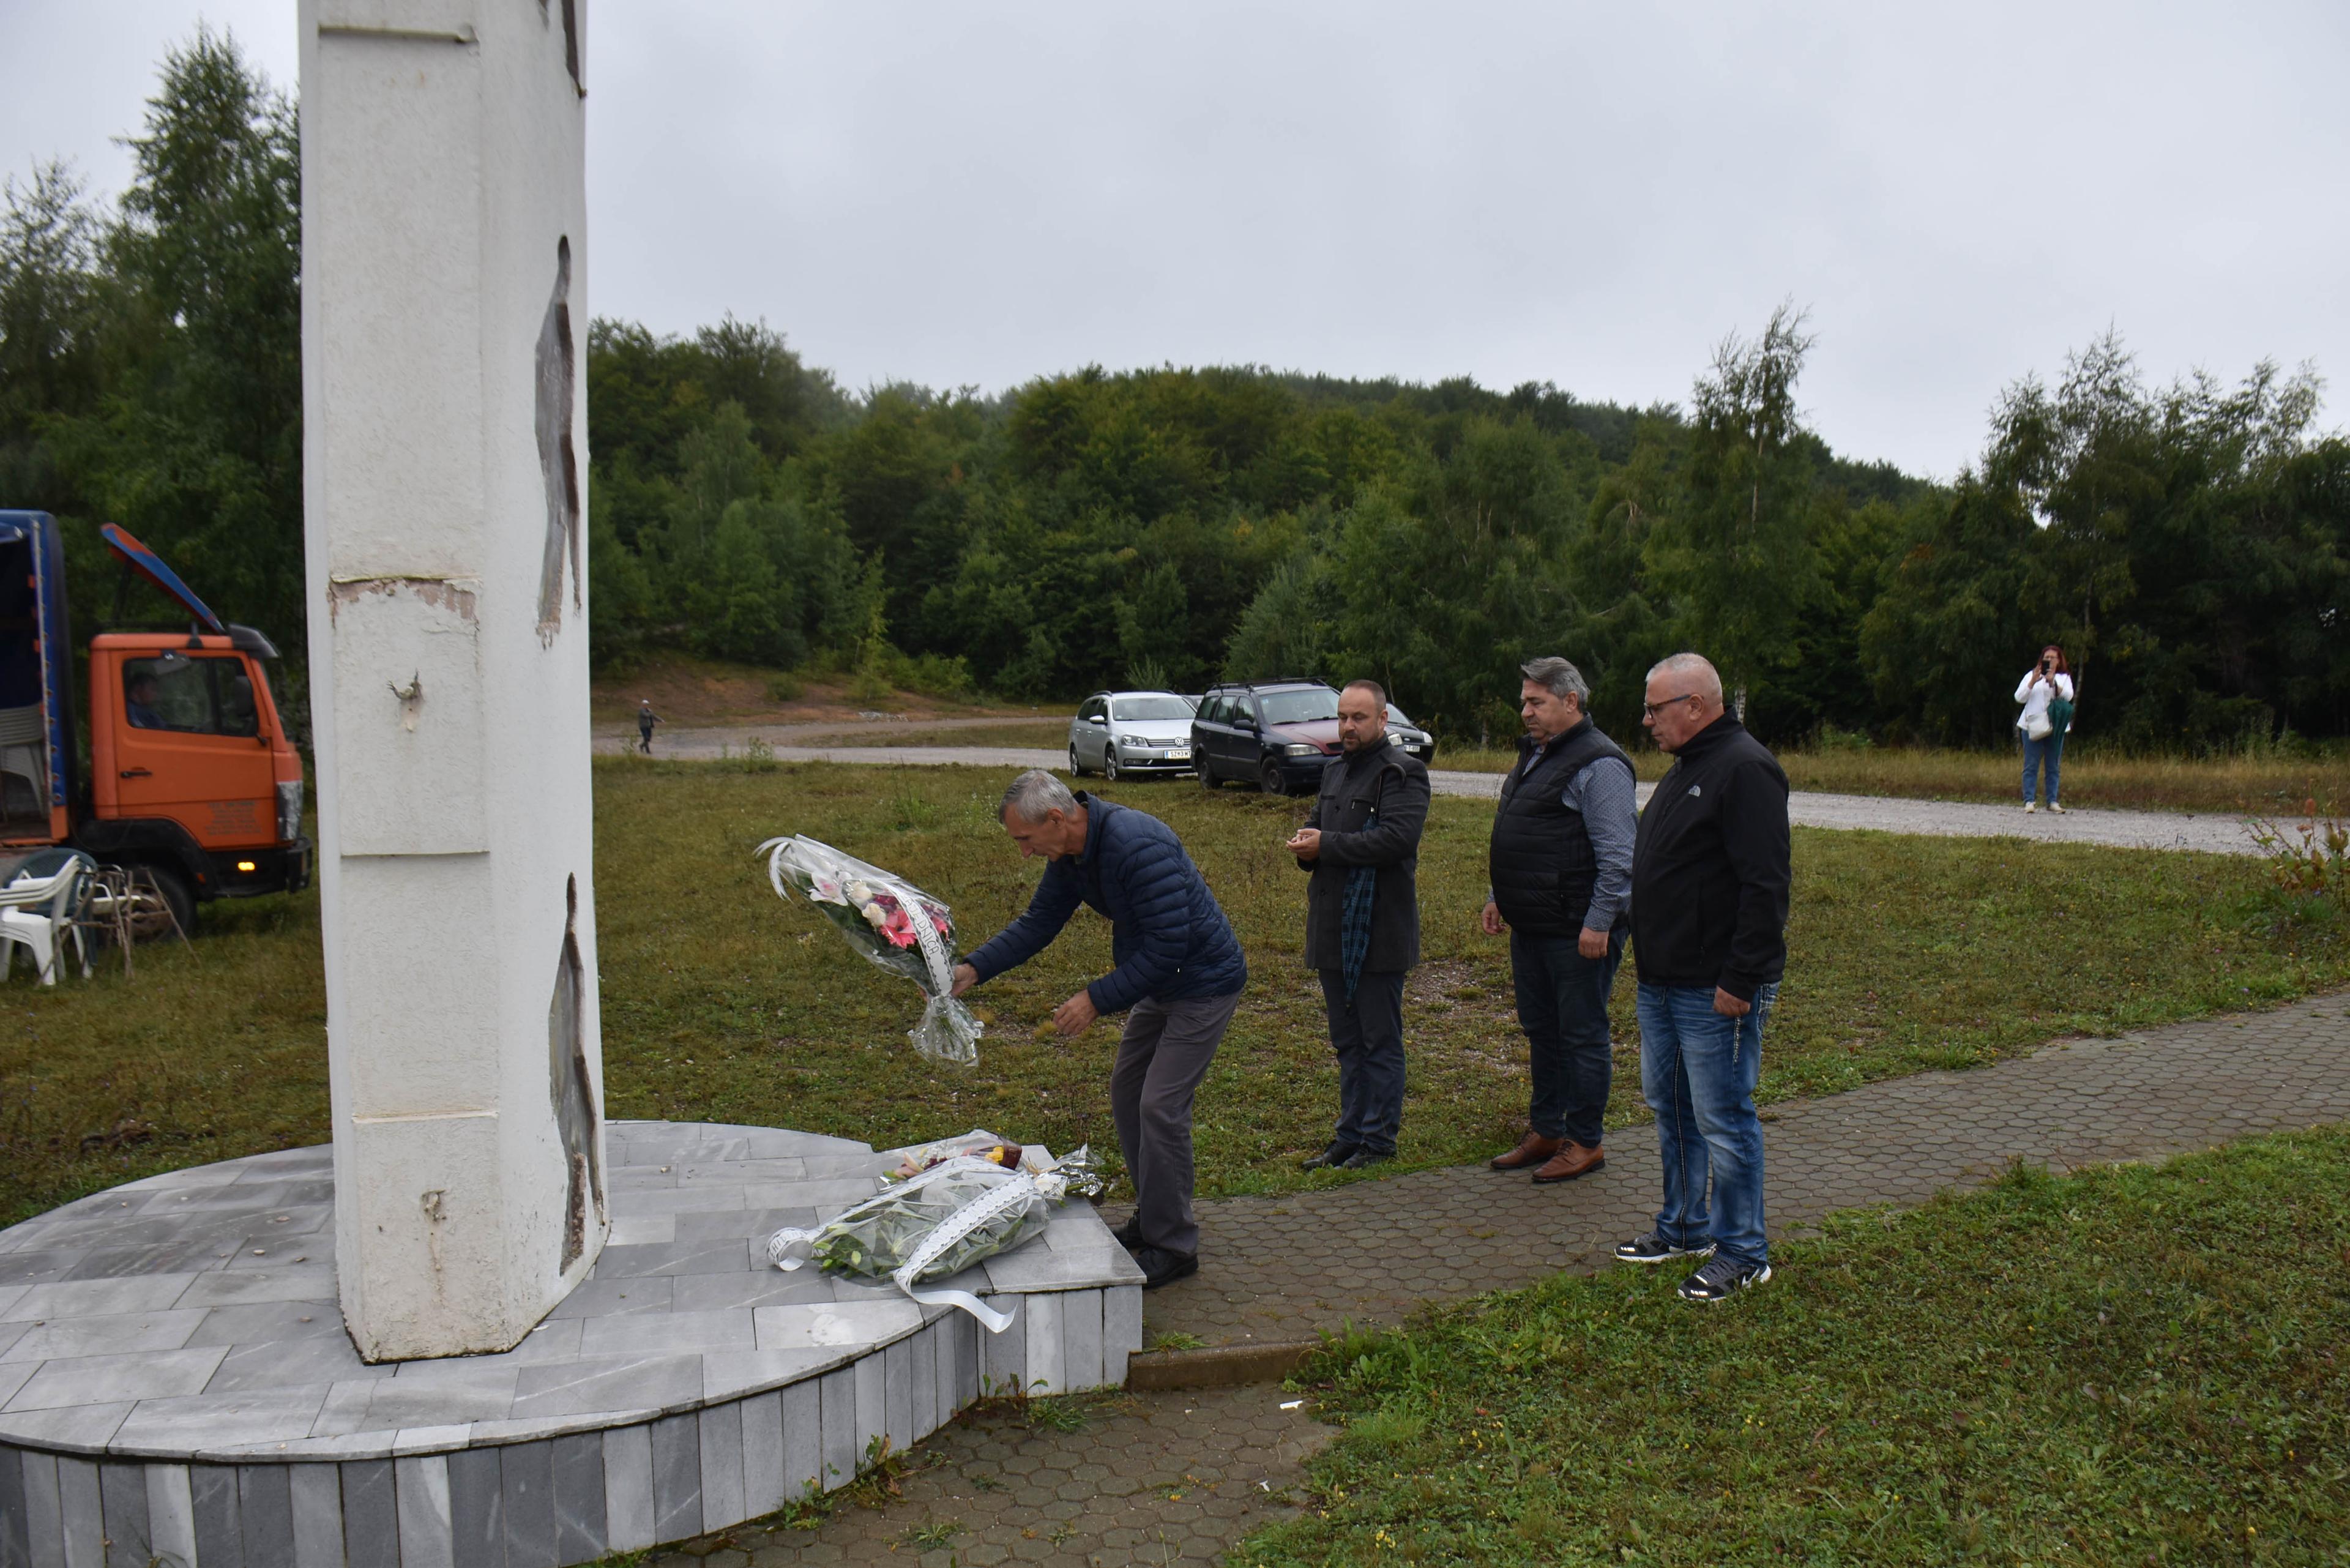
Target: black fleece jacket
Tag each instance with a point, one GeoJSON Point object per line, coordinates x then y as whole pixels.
{"type": "Point", "coordinates": [1709, 870]}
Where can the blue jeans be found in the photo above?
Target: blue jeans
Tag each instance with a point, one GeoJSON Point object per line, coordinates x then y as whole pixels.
{"type": "Point", "coordinates": [2044, 755]}
{"type": "Point", "coordinates": [1698, 1071]}
{"type": "Point", "coordinates": [1368, 1036]}
{"type": "Point", "coordinates": [1562, 1008]}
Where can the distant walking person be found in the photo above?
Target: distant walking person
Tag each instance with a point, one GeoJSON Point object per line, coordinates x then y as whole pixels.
{"type": "Point", "coordinates": [1709, 885]}
{"type": "Point", "coordinates": [2046, 693]}
{"type": "Point", "coordinates": [1179, 968]}
{"type": "Point", "coordinates": [1362, 920]}
{"type": "Point", "coordinates": [1561, 869]}
{"type": "Point", "coordinates": [645, 719]}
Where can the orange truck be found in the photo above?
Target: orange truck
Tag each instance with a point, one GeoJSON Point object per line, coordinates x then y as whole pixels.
{"type": "Point", "coordinates": [191, 776]}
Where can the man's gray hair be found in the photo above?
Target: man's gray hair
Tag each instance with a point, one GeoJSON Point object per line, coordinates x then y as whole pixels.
{"type": "Point", "coordinates": [1033, 794]}
{"type": "Point", "coordinates": [1695, 670]}
{"type": "Point", "coordinates": [1560, 679]}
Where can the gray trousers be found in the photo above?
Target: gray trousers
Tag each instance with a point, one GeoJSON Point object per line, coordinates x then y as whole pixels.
{"type": "Point", "coordinates": [1366, 1033]}
{"type": "Point", "coordinates": [1161, 1058]}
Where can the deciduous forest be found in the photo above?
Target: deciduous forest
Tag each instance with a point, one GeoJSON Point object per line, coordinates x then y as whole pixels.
{"type": "Point", "coordinates": [2187, 541]}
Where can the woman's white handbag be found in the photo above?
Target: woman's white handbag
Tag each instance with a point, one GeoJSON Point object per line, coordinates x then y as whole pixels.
{"type": "Point", "coordinates": [2037, 727]}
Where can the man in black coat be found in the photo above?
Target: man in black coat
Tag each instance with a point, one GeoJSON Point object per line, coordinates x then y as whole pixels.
{"type": "Point", "coordinates": [1561, 869]}
{"type": "Point", "coordinates": [1709, 884]}
{"type": "Point", "coordinates": [1362, 920]}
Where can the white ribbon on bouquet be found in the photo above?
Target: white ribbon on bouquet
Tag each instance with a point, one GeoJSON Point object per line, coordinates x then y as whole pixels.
{"type": "Point", "coordinates": [1008, 1192]}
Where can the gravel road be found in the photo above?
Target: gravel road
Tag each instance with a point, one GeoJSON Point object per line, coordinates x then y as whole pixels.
{"type": "Point", "coordinates": [2210, 832]}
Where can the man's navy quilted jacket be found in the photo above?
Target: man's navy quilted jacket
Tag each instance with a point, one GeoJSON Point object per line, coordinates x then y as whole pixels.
{"type": "Point", "coordinates": [1168, 935]}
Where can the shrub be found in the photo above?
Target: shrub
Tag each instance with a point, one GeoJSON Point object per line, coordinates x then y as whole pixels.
{"type": "Point", "coordinates": [1831, 739]}
{"type": "Point", "coordinates": [2310, 858]}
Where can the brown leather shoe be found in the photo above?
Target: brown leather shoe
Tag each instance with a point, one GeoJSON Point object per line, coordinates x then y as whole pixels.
{"type": "Point", "coordinates": [1570, 1162]}
{"type": "Point", "coordinates": [1533, 1149]}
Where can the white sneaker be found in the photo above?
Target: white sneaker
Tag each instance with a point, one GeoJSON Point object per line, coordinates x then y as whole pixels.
{"type": "Point", "coordinates": [2028, 808]}
{"type": "Point", "coordinates": [2057, 809]}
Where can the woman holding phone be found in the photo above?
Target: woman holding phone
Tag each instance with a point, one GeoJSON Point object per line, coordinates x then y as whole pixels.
{"type": "Point", "coordinates": [2043, 733]}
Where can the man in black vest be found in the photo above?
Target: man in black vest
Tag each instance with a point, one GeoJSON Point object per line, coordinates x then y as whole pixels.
{"type": "Point", "coordinates": [1561, 876]}
{"type": "Point", "coordinates": [1362, 920]}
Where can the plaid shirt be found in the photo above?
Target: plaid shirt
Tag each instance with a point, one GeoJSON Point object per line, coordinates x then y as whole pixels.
{"type": "Point", "coordinates": [1355, 916]}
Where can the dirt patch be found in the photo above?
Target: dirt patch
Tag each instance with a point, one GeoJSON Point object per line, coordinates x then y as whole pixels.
{"type": "Point", "coordinates": [686, 692]}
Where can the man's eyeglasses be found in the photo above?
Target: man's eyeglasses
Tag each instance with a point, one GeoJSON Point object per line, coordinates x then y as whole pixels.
{"type": "Point", "coordinates": [1653, 708]}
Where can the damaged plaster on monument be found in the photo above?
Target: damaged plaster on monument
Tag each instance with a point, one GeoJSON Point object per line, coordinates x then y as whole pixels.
{"type": "Point", "coordinates": [572, 1089]}
{"type": "Point", "coordinates": [443, 187]}
{"type": "Point", "coordinates": [558, 460]}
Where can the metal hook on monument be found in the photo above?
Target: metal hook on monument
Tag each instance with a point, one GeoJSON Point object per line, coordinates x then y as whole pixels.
{"type": "Point", "coordinates": [411, 698]}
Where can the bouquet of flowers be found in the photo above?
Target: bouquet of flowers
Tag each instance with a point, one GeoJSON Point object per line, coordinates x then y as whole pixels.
{"type": "Point", "coordinates": [976, 1144]}
{"type": "Point", "coordinates": [893, 923]}
{"type": "Point", "coordinates": [937, 1223]}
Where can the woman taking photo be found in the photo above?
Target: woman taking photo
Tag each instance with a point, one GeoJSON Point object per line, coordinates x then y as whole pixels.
{"type": "Point", "coordinates": [2050, 682]}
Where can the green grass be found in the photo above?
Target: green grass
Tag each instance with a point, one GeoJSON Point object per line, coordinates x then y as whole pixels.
{"type": "Point", "coordinates": [722, 1003]}
{"type": "Point", "coordinates": [2266, 785]}
{"type": "Point", "coordinates": [2144, 1364]}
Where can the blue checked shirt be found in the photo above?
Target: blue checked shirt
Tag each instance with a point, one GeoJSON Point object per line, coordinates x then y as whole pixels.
{"type": "Point", "coordinates": [1608, 797]}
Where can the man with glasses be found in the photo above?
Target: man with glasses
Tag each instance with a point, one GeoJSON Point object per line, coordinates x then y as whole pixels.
{"type": "Point", "coordinates": [1710, 881]}
{"type": "Point", "coordinates": [1561, 864]}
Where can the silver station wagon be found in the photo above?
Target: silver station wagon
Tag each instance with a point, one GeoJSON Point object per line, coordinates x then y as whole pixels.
{"type": "Point", "coordinates": [1120, 733]}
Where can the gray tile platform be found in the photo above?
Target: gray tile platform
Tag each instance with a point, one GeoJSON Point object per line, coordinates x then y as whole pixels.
{"type": "Point", "coordinates": [176, 1385]}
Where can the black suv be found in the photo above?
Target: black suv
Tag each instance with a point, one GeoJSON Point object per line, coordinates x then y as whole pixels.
{"type": "Point", "coordinates": [1276, 734]}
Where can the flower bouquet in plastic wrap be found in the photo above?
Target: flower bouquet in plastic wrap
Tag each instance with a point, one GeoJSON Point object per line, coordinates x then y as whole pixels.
{"type": "Point", "coordinates": [976, 1144]}
{"type": "Point", "coordinates": [938, 1222]}
{"type": "Point", "coordinates": [893, 923]}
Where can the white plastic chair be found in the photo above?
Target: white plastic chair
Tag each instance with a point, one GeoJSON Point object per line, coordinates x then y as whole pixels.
{"type": "Point", "coordinates": [38, 910]}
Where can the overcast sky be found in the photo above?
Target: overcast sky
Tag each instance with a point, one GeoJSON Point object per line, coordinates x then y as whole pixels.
{"type": "Point", "coordinates": [1585, 195]}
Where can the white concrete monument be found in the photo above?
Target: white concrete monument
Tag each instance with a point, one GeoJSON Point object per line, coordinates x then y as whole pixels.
{"type": "Point", "coordinates": [443, 207]}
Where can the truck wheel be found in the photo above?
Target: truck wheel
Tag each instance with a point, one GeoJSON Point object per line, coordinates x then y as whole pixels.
{"type": "Point", "coordinates": [173, 883]}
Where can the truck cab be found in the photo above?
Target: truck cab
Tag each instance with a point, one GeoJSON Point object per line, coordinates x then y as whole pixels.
{"type": "Point", "coordinates": [193, 777]}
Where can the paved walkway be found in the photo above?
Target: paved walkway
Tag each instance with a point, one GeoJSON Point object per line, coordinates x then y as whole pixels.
{"type": "Point", "coordinates": [1158, 1479]}
{"type": "Point", "coordinates": [1283, 1268]}
{"type": "Point", "coordinates": [2210, 832]}
{"type": "Point", "coordinates": [1178, 1477]}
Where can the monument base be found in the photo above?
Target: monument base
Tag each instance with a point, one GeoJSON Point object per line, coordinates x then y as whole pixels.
{"type": "Point", "coordinates": [176, 1384]}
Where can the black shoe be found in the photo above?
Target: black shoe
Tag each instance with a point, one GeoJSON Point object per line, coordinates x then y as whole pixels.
{"type": "Point", "coordinates": [1722, 1278]}
{"type": "Point", "coordinates": [1337, 1154]}
{"type": "Point", "coordinates": [1161, 1267]}
{"type": "Point", "coordinates": [1128, 1235]}
{"type": "Point", "coordinates": [1363, 1157]}
{"type": "Point", "coordinates": [1654, 1249]}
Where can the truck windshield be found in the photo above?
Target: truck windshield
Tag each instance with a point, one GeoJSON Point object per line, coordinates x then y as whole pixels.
{"type": "Point", "coordinates": [206, 695]}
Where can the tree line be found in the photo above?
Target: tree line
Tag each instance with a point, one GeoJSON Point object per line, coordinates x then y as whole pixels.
{"type": "Point", "coordinates": [2186, 543]}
